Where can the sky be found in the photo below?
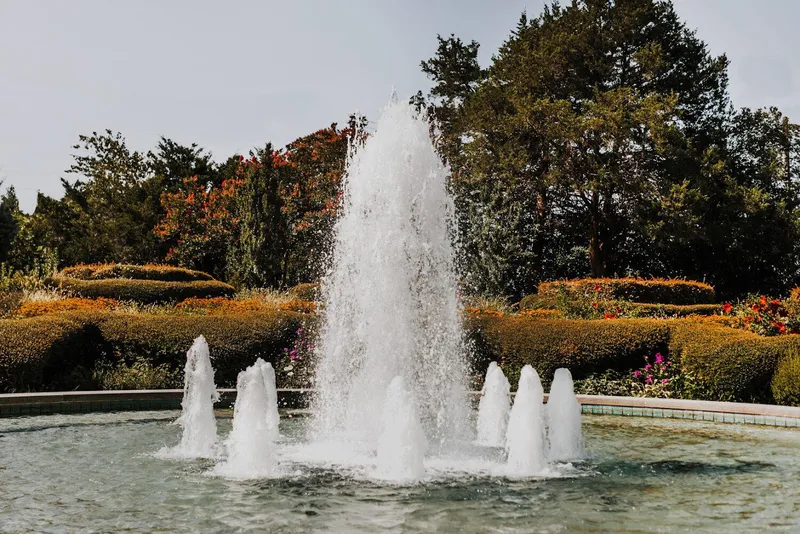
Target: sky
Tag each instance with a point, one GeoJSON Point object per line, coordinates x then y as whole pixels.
{"type": "Point", "coordinates": [233, 75]}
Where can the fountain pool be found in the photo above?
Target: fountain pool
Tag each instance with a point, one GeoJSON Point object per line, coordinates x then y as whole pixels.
{"type": "Point", "coordinates": [97, 472]}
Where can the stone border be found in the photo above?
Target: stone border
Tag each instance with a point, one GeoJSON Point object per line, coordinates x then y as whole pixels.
{"type": "Point", "coordinates": [20, 404]}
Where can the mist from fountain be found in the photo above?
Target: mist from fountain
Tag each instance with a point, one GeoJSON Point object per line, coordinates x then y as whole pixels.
{"type": "Point", "coordinates": [199, 436]}
{"type": "Point", "coordinates": [390, 294]}
{"type": "Point", "coordinates": [249, 448]}
{"type": "Point", "coordinates": [525, 437]}
{"type": "Point", "coordinates": [402, 443]}
{"type": "Point", "coordinates": [564, 432]}
{"type": "Point", "coordinates": [273, 417]}
{"type": "Point", "coordinates": [493, 408]}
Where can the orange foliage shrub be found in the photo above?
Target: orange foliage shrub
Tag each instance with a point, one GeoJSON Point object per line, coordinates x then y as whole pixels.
{"type": "Point", "coordinates": [224, 306]}
{"type": "Point", "coordinates": [37, 308]}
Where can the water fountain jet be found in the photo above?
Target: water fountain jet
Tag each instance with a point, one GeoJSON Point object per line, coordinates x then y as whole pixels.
{"type": "Point", "coordinates": [402, 444]}
{"type": "Point", "coordinates": [525, 437]}
{"type": "Point", "coordinates": [493, 408]}
{"type": "Point", "coordinates": [564, 433]}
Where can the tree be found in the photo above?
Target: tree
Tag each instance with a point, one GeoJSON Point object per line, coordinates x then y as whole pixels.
{"type": "Point", "coordinates": [10, 223]}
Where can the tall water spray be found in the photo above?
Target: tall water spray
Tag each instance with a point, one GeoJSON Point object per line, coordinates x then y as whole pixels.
{"type": "Point", "coordinates": [199, 438]}
{"type": "Point", "coordinates": [249, 445]}
{"type": "Point", "coordinates": [391, 306]}
{"type": "Point", "coordinates": [564, 434]}
{"type": "Point", "coordinates": [402, 443]}
{"type": "Point", "coordinates": [493, 408]}
{"type": "Point", "coordinates": [273, 417]}
{"type": "Point", "coordinates": [525, 437]}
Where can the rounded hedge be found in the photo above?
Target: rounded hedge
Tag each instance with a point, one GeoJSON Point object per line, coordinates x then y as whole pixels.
{"type": "Point", "coordinates": [144, 291]}
{"type": "Point", "coordinates": [786, 381]}
{"type": "Point", "coordinates": [653, 291]}
{"type": "Point", "coordinates": [106, 271]}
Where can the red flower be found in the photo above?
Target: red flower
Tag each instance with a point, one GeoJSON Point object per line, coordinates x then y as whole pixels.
{"type": "Point", "coordinates": [727, 307]}
{"type": "Point", "coordinates": [598, 287]}
{"type": "Point", "coordinates": [763, 300]}
{"type": "Point", "coordinates": [607, 315]}
{"type": "Point", "coordinates": [594, 305]}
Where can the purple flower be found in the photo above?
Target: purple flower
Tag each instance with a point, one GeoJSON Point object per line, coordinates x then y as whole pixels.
{"type": "Point", "coordinates": [649, 379]}
{"type": "Point", "coordinates": [665, 380]}
{"type": "Point", "coordinates": [637, 373]}
{"type": "Point", "coordinates": [648, 367]}
{"type": "Point", "coordinates": [659, 358]}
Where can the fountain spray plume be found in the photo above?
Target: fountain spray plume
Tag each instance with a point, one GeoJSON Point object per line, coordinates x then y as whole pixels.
{"type": "Point", "coordinates": [402, 444]}
{"type": "Point", "coordinates": [565, 435]}
{"type": "Point", "coordinates": [199, 438]}
{"type": "Point", "coordinates": [249, 445]}
{"type": "Point", "coordinates": [525, 437]}
{"type": "Point", "coordinates": [273, 417]}
{"type": "Point", "coordinates": [493, 408]}
{"type": "Point", "coordinates": [390, 294]}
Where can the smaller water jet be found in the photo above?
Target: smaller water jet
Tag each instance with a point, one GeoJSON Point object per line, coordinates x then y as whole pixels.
{"type": "Point", "coordinates": [249, 445]}
{"type": "Point", "coordinates": [273, 417]}
{"type": "Point", "coordinates": [199, 438]}
{"type": "Point", "coordinates": [565, 434]}
{"type": "Point", "coordinates": [525, 436]}
{"type": "Point", "coordinates": [402, 443]}
{"type": "Point", "coordinates": [493, 408]}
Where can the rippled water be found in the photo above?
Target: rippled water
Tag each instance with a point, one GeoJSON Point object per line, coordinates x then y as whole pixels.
{"type": "Point", "coordinates": [96, 473]}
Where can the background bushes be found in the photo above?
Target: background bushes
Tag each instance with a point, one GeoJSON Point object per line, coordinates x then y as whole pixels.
{"type": "Point", "coordinates": [585, 347]}
{"type": "Point", "coordinates": [653, 291]}
{"type": "Point", "coordinates": [786, 381]}
{"type": "Point", "coordinates": [50, 353]}
{"type": "Point", "coordinates": [143, 291]}
{"type": "Point", "coordinates": [105, 271]}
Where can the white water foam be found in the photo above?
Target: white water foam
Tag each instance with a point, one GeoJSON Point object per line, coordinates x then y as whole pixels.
{"type": "Point", "coordinates": [402, 444]}
{"type": "Point", "coordinates": [525, 438]}
{"type": "Point", "coordinates": [493, 408]}
{"type": "Point", "coordinates": [564, 432]}
{"type": "Point", "coordinates": [273, 417]}
{"type": "Point", "coordinates": [199, 437]}
{"type": "Point", "coordinates": [391, 306]}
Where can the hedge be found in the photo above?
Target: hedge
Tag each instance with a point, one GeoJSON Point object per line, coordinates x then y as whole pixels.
{"type": "Point", "coordinates": [144, 291]}
{"type": "Point", "coordinates": [732, 364]}
{"type": "Point", "coordinates": [539, 302]}
{"type": "Point", "coordinates": [585, 347]}
{"type": "Point", "coordinates": [49, 353]}
{"type": "Point", "coordinates": [59, 351]}
{"type": "Point", "coordinates": [786, 381]}
{"type": "Point", "coordinates": [306, 291]}
{"type": "Point", "coordinates": [653, 291]}
{"type": "Point", "coordinates": [105, 271]}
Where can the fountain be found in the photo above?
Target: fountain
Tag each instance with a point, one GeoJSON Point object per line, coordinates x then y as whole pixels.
{"type": "Point", "coordinates": [493, 408]}
{"type": "Point", "coordinates": [525, 437]}
{"type": "Point", "coordinates": [391, 306]}
{"type": "Point", "coordinates": [564, 432]}
{"type": "Point", "coordinates": [402, 444]}
{"type": "Point", "coordinates": [249, 445]}
{"type": "Point", "coordinates": [273, 417]}
{"type": "Point", "coordinates": [199, 438]}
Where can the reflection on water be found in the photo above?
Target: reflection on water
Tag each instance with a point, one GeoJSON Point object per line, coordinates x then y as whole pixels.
{"type": "Point", "coordinates": [97, 473]}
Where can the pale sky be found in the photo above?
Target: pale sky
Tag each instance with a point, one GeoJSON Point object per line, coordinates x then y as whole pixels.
{"type": "Point", "coordinates": [233, 75]}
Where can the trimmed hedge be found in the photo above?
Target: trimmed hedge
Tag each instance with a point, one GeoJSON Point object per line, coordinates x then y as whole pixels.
{"type": "Point", "coordinates": [144, 291]}
{"type": "Point", "coordinates": [585, 347]}
{"type": "Point", "coordinates": [307, 291]}
{"type": "Point", "coordinates": [235, 340]}
{"type": "Point", "coordinates": [652, 291]}
{"type": "Point", "coordinates": [674, 310]}
{"type": "Point", "coordinates": [732, 364]}
{"type": "Point", "coordinates": [538, 302]}
{"type": "Point", "coordinates": [56, 352]}
{"type": "Point", "coordinates": [59, 351]}
{"type": "Point", "coordinates": [786, 381]}
{"type": "Point", "coordinates": [106, 271]}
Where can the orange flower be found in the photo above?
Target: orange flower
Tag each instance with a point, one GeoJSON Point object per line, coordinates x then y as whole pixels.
{"type": "Point", "coordinates": [609, 315]}
{"type": "Point", "coordinates": [727, 307]}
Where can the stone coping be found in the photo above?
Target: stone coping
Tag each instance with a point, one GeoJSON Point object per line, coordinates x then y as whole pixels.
{"type": "Point", "coordinates": [16, 404]}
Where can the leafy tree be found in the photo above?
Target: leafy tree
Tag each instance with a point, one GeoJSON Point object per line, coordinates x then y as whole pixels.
{"type": "Point", "coordinates": [10, 223]}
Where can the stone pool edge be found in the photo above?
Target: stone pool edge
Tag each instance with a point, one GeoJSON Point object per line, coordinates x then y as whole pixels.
{"type": "Point", "coordinates": [24, 404]}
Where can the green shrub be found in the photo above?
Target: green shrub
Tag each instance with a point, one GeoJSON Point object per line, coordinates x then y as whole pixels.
{"type": "Point", "coordinates": [106, 271]}
{"type": "Point", "coordinates": [141, 374]}
{"type": "Point", "coordinates": [653, 291]}
{"type": "Point", "coordinates": [142, 291]}
{"type": "Point", "coordinates": [786, 381]}
{"type": "Point", "coordinates": [731, 364]}
{"type": "Point", "coordinates": [673, 310]}
{"type": "Point", "coordinates": [235, 340]}
{"type": "Point", "coordinates": [56, 352]}
{"type": "Point", "coordinates": [585, 347]}
{"type": "Point", "coordinates": [306, 291]}
{"type": "Point", "coordinates": [538, 302]}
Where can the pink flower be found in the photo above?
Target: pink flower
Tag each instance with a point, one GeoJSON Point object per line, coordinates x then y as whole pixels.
{"type": "Point", "coordinates": [637, 373]}
{"type": "Point", "coordinates": [649, 379]}
{"type": "Point", "coordinates": [665, 380]}
{"type": "Point", "coordinates": [648, 367]}
{"type": "Point", "coordinates": [659, 358]}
